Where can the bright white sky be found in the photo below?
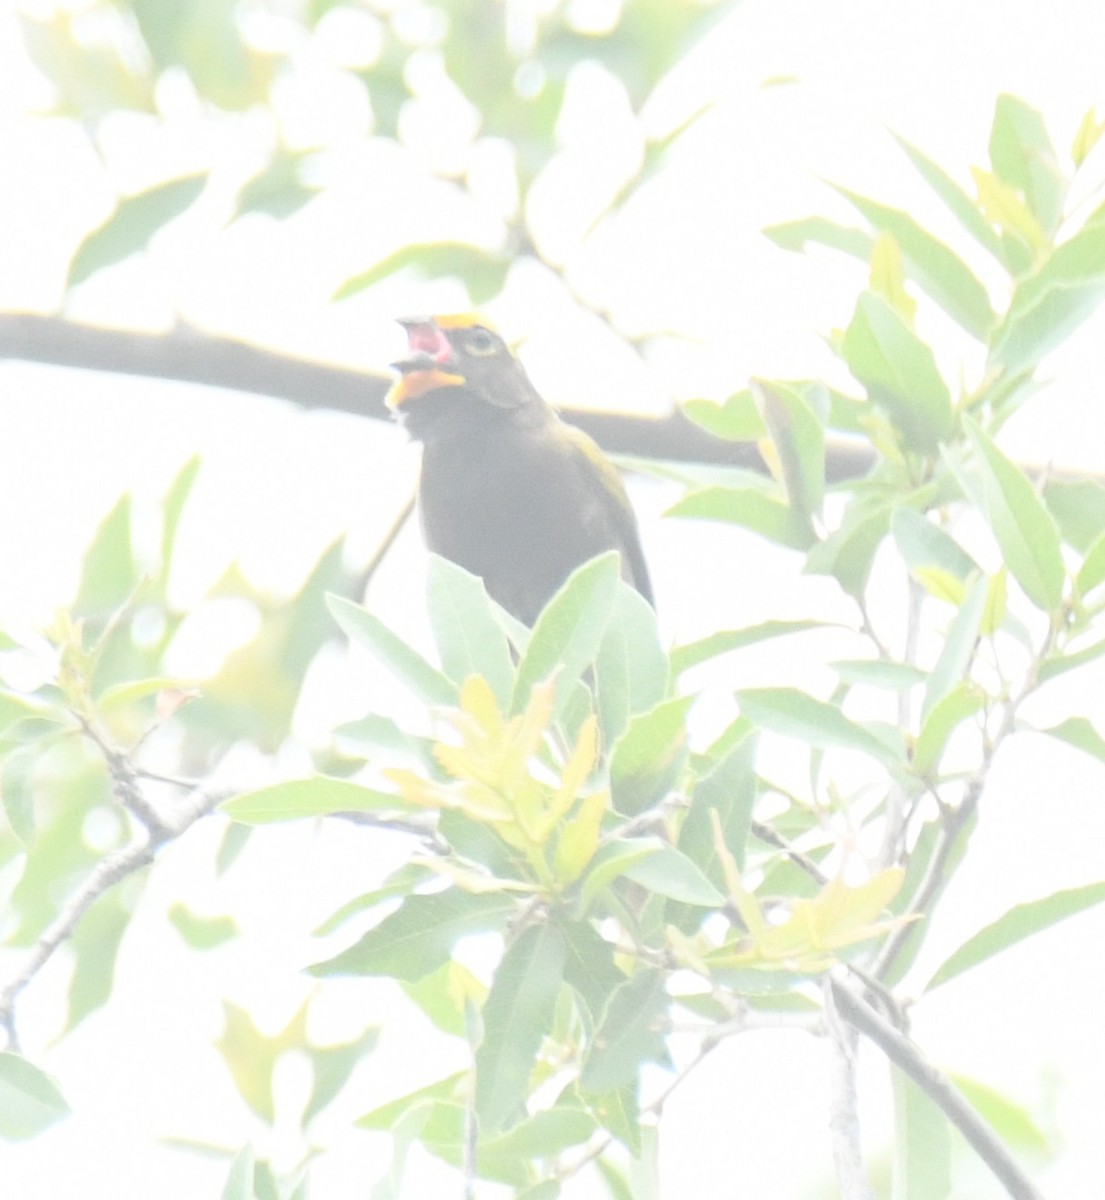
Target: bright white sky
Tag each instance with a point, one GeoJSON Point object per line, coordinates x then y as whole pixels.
{"type": "Point", "coordinates": [276, 486]}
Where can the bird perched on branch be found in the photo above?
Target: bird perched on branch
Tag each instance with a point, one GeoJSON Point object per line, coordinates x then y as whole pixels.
{"type": "Point", "coordinates": [508, 491]}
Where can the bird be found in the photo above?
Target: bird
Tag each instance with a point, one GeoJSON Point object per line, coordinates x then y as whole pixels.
{"type": "Point", "coordinates": [508, 490]}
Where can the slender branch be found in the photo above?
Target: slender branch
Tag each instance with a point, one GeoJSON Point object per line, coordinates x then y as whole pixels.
{"type": "Point", "coordinates": [386, 542]}
{"type": "Point", "coordinates": [844, 1104]}
{"type": "Point", "coordinates": [955, 825]}
{"type": "Point", "coordinates": [767, 834]}
{"type": "Point", "coordinates": [109, 871]}
{"type": "Point", "coordinates": [897, 801]}
{"type": "Point", "coordinates": [956, 821]}
{"type": "Point", "coordinates": [905, 1055]}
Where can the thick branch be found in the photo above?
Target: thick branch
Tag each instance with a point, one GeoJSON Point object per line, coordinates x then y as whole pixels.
{"type": "Point", "coordinates": [192, 356]}
{"type": "Point", "coordinates": [939, 1089]}
{"type": "Point", "coordinates": [844, 1105]}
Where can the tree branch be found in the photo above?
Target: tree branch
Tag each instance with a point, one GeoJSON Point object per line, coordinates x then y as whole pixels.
{"type": "Point", "coordinates": [190, 355]}
{"type": "Point", "coordinates": [938, 1087]}
{"type": "Point", "coordinates": [844, 1104]}
{"type": "Point", "coordinates": [109, 871]}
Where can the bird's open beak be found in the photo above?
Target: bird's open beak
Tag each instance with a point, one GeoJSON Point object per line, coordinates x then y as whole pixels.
{"type": "Point", "coordinates": [421, 371]}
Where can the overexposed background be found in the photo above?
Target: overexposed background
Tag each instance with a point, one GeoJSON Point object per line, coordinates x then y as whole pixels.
{"type": "Point", "coordinates": [803, 91]}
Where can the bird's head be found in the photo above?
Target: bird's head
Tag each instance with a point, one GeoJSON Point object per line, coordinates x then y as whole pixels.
{"type": "Point", "coordinates": [457, 366]}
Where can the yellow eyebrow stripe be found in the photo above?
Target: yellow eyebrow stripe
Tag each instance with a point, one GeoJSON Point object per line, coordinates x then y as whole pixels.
{"type": "Point", "coordinates": [463, 321]}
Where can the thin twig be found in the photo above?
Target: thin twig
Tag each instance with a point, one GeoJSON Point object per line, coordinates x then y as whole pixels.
{"type": "Point", "coordinates": [402, 516]}
{"type": "Point", "coordinates": [767, 834]}
{"type": "Point", "coordinates": [955, 823]}
{"type": "Point", "coordinates": [897, 811]}
{"type": "Point", "coordinates": [956, 820]}
{"type": "Point", "coordinates": [109, 871]}
{"type": "Point", "coordinates": [905, 1055]}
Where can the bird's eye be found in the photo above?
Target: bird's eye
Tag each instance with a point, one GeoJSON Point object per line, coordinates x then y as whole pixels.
{"type": "Point", "coordinates": [479, 341]}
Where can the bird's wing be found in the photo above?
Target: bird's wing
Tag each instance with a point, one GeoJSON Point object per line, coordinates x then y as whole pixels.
{"type": "Point", "coordinates": [603, 479]}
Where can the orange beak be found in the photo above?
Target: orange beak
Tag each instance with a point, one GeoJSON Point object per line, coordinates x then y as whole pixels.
{"type": "Point", "coordinates": [422, 371]}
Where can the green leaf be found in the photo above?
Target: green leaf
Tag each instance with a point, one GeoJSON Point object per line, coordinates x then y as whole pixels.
{"type": "Point", "coordinates": [30, 1101]}
{"type": "Point", "coordinates": [1060, 664]}
{"type": "Point", "coordinates": [132, 225]}
{"type": "Point", "coordinates": [239, 1179]}
{"type": "Point", "coordinates": [14, 706]}
{"type": "Point", "coordinates": [542, 1135]}
{"type": "Point", "coordinates": [797, 235]}
{"type": "Point", "coordinates": [172, 510]}
{"type": "Point", "coordinates": [631, 669]}
{"type": "Point", "coordinates": [568, 633]}
{"type": "Point", "coordinates": [469, 639]}
{"type": "Point", "coordinates": [672, 874]}
{"type": "Point", "coordinates": [956, 198]}
{"type": "Point", "coordinates": [332, 1067]}
{"type": "Point", "coordinates": [1024, 241]}
{"type": "Point", "coordinates": [1022, 156]}
{"type": "Point", "coordinates": [797, 432]}
{"type": "Point", "coordinates": [201, 933]}
{"type": "Point", "coordinates": [952, 665]}
{"type": "Point", "coordinates": [250, 1056]}
{"type": "Point", "coordinates": [386, 1115]}
{"type": "Point", "coordinates": [619, 1110]}
{"type": "Point", "coordinates": [1092, 571]}
{"type": "Point", "coordinates": [1080, 733]}
{"type": "Point", "coordinates": [922, 1143]}
{"type": "Point", "coordinates": [940, 722]}
{"type": "Point", "coordinates": [872, 672]}
{"type": "Point", "coordinates": [318, 796]}
{"type": "Point", "coordinates": [483, 271]}
{"type": "Point", "coordinates": [683, 658]}
{"type": "Point", "coordinates": [1019, 923]}
{"type": "Point", "coordinates": [1052, 302]}
{"type": "Point", "coordinates": [792, 713]}
{"type": "Point", "coordinates": [735, 419]}
{"type": "Point", "coordinates": [848, 552]}
{"type": "Point", "coordinates": [900, 374]}
{"type": "Point", "coordinates": [108, 574]}
{"type": "Point", "coordinates": [119, 695]}
{"type": "Point", "coordinates": [16, 791]}
{"type": "Point", "coordinates": [1088, 135]}
{"type": "Point", "coordinates": [1079, 511]}
{"type": "Point", "coordinates": [611, 862]}
{"type": "Point", "coordinates": [648, 758]}
{"type": "Point", "coordinates": [887, 277]}
{"type": "Point", "coordinates": [278, 190]}
{"type": "Point", "coordinates": [378, 735]}
{"type": "Point", "coordinates": [95, 946]}
{"type": "Point", "coordinates": [1024, 528]}
{"type": "Point", "coordinates": [923, 544]}
{"type": "Point", "coordinates": [419, 936]}
{"type": "Point", "coordinates": [751, 507]}
{"type": "Point", "coordinates": [941, 272]}
{"type": "Point", "coordinates": [405, 663]}
{"type": "Point", "coordinates": [628, 1035]}
{"type": "Point", "coordinates": [445, 996]}
{"type": "Point", "coordinates": [729, 791]}
{"type": "Point", "coordinates": [589, 965]}
{"type": "Point", "coordinates": [516, 1016]}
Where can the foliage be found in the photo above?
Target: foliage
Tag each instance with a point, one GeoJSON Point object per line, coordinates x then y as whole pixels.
{"type": "Point", "coordinates": [623, 877]}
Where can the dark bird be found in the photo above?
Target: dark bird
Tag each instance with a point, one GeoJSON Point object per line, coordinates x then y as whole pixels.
{"type": "Point", "coordinates": [508, 490]}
